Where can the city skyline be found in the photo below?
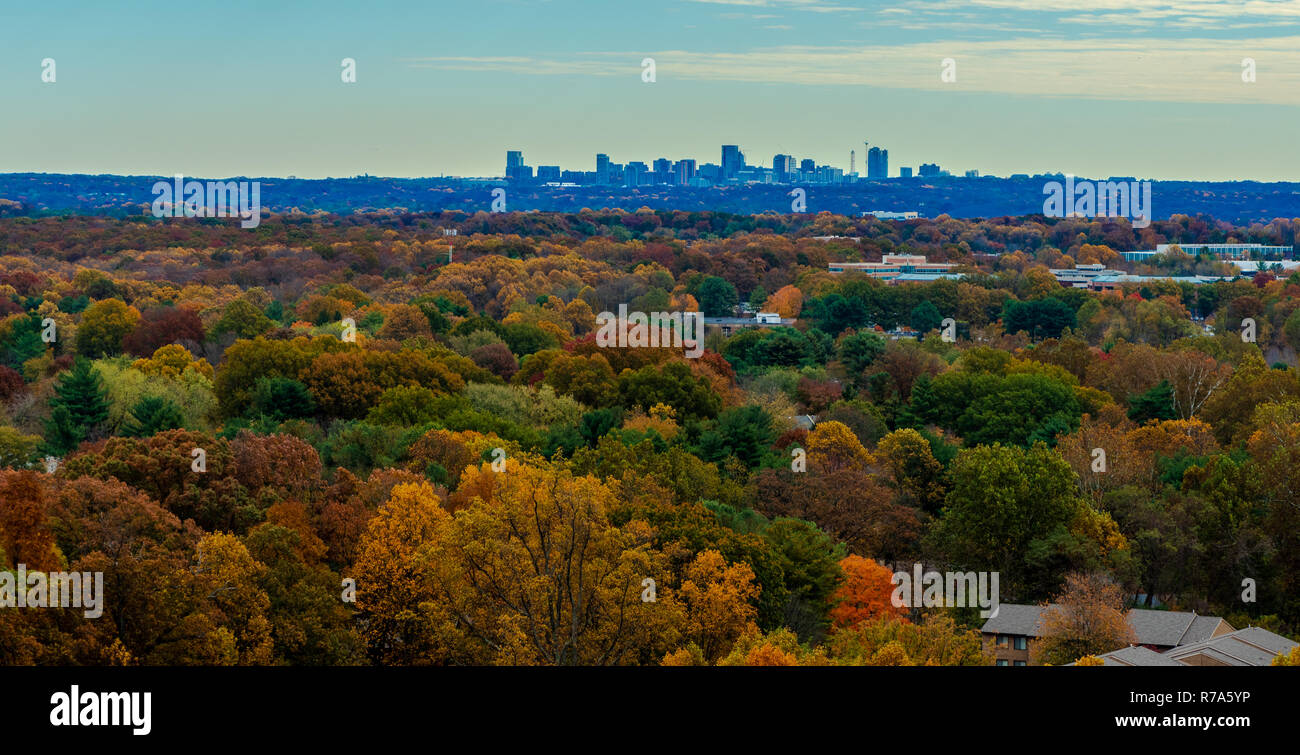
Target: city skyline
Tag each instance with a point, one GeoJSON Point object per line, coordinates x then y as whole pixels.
{"type": "Point", "coordinates": [732, 167]}
{"type": "Point", "coordinates": [1138, 88]}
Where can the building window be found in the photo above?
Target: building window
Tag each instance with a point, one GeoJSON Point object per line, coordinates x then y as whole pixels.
{"type": "Point", "coordinates": [1003, 663]}
{"type": "Point", "coordinates": [1021, 663]}
{"type": "Point", "coordinates": [1002, 640]}
{"type": "Point", "coordinates": [1021, 643]}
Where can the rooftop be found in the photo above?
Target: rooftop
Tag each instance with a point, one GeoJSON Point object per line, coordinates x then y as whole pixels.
{"type": "Point", "coordinates": [1136, 655]}
{"type": "Point", "coordinates": [1252, 646]}
{"type": "Point", "coordinates": [1161, 628]}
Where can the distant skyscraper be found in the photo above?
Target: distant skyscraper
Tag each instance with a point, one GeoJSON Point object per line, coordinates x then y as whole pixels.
{"type": "Point", "coordinates": [783, 166]}
{"type": "Point", "coordinates": [635, 174]}
{"type": "Point", "coordinates": [684, 171]}
{"type": "Point", "coordinates": [602, 168]}
{"type": "Point", "coordinates": [733, 160]}
{"type": "Point", "coordinates": [904, 172]}
{"type": "Point", "coordinates": [853, 158]}
{"type": "Point", "coordinates": [877, 163]}
{"type": "Point", "coordinates": [515, 163]}
{"type": "Point", "coordinates": [928, 169]}
{"type": "Point", "coordinates": [548, 172]}
{"type": "Point", "coordinates": [663, 171]}
{"type": "Point", "coordinates": [807, 166]}
{"type": "Point", "coordinates": [972, 174]}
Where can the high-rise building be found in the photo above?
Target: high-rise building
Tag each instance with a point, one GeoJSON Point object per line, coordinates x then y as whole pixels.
{"type": "Point", "coordinates": [683, 172]}
{"type": "Point", "coordinates": [904, 172]}
{"type": "Point", "coordinates": [877, 163]}
{"type": "Point", "coordinates": [972, 174]}
{"type": "Point", "coordinates": [636, 174]}
{"type": "Point", "coordinates": [733, 160]}
{"type": "Point", "coordinates": [515, 164]}
{"type": "Point", "coordinates": [783, 166]}
{"type": "Point", "coordinates": [548, 173]}
{"type": "Point", "coordinates": [602, 168]}
{"type": "Point", "coordinates": [928, 169]}
{"type": "Point", "coordinates": [807, 166]}
{"type": "Point", "coordinates": [710, 172]}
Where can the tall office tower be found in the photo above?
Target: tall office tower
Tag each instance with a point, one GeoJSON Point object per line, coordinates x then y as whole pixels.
{"type": "Point", "coordinates": [684, 171]}
{"type": "Point", "coordinates": [904, 172]}
{"type": "Point", "coordinates": [782, 167]}
{"type": "Point", "coordinates": [663, 170]}
{"type": "Point", "coordinates": [548, 172]}
{"type": "Point", "coordinates": [514, 161]}
{"type": "Point", "coordinates": [877, 163]}
{"type": "Point", "coordinates": [853, 161]}
{"type": "Point", "coordinates": [602, 168]}
{"type": "Point", "coordinates": [733, 160]}
{"type": "Point", "coordinates": [928, 169]}
{"type": "Point", "coordinates": [807, 166]}
{"type": "Point", "coordinates": [634, 174]}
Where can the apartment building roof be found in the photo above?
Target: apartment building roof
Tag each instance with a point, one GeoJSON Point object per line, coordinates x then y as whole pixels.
{"type": "Point", "coordinates": [1171, 628]}
{"type": "Point", "coordinates": [1252, 646]}
{"type": "Point", "coordinates": [1136, 655]}
{"type": "Point", "coordinates": [1013, 618]}
{"type": "Point", "coordinates": [1160, 628]}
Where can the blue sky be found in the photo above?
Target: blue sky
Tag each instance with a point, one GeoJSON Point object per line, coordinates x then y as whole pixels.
{"type": "Point", "coordinates": [1150, 88]}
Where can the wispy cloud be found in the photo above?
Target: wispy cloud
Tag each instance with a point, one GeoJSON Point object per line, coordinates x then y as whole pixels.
{"type": "Point", "coordinates": [811, 6]}
{"type": "Point", "coordinates": [1172, 70]}
{"type": "Point", "coordinates": [1166, 14]}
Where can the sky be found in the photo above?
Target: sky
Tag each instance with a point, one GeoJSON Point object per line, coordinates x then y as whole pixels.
{"type": "Point", "coordinates": [1145, 88]}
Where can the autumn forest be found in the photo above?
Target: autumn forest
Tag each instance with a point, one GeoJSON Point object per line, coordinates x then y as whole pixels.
{"type": "Point", "coordinates": [394, 439]}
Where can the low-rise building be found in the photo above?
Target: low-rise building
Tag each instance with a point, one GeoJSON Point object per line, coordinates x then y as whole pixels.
{"type": "Point", "coordinates": [1252, 646]}
{"type": "Point", "coordinates": [1098, 277]}
{"type": "Point", "coordinates": [1135, 655]}
{"type": "Point", "coordinates": [898, 268]}
{"type": "Point", "coordinates": [730, 325]}
{"type": "Point", "coordinates": [1010, 635]}
{"type": "Point", "coordinates": [891, 214]}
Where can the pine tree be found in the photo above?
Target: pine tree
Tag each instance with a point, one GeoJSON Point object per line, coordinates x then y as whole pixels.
{"type": "Point", "coordinates": [1156, 403]}
{"type": "Point", "coordinates": [922, 407]}
{"type": "Point", "coordinates": [79, 407]}
{"type": "Point", "coordinates": [151, 415]}
{"type": "Point", "coordinates": [24, 343]}
{"type": "Point", "coordinates": [62, 434]}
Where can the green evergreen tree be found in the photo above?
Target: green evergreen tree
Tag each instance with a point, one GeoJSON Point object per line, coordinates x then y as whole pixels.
{"type": "Point", "coordinates": [79, 407]}
{"type": "Point", "coordinates": [921, 408]}
{"type": "Point", "coordinates": [24, 342]}
{"type": "Point", "coordinates": [1157, 403]}
{"type": "Point", "coordinates": [151, 415]}
{"type": "Point", "coordinates": [281, 399]}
